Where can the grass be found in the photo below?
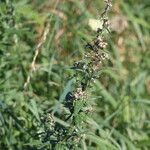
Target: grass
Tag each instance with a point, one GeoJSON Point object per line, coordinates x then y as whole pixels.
{"type": "Point", "coordinates": [120, 96]}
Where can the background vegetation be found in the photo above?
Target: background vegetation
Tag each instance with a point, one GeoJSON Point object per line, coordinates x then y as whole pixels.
{"type": "Point", "coordinates": [120, 97]}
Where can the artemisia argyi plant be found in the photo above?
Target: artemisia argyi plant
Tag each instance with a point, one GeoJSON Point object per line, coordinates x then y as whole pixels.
{"type": "Point", "coordinates": [73, 129]}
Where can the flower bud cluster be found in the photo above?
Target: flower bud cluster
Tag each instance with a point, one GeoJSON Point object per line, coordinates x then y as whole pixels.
{"type": "Point", "coordinates": [100, 43]}
{"type": "Point", "coordinates": [79, 93]}
{"type": "Point", "coordinates": [91, 62]}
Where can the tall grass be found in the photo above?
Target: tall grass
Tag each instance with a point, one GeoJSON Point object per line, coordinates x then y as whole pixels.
{"type": "Point", "coordinates": [119, 97]}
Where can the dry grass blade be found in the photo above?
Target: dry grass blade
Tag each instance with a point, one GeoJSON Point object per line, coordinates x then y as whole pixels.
{"type": "Point", "coordinates": [37, 51]}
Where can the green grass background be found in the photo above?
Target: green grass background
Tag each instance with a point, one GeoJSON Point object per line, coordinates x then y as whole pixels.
{"type": "Point", "coordinates": [121, 95]}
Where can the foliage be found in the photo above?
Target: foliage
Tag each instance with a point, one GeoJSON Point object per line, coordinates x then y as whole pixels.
{"type": "Point", "coordinates": [32, 117]}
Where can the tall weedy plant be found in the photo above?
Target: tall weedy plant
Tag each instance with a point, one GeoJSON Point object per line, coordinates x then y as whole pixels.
{"type": "Point", "coordinates": [72, 126]}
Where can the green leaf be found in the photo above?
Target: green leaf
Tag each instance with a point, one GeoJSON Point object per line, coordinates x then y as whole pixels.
{"type": "Point", "coordinates": [103, 143]}
{"type": "Point", "coordinates": [67, 89]}
{"type": "Point", "coordinates": [34, 109]}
